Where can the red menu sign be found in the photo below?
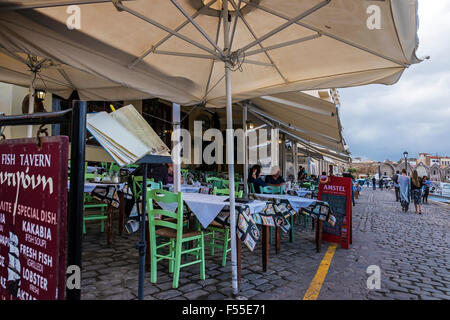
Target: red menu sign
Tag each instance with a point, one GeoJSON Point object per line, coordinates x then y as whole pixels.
{"type": "Point", "coordinates": [33, 207]}
{"type": "Point", "coordinates": [337, 191]}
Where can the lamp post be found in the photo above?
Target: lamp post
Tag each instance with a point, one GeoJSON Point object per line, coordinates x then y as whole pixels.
{"type": "Point", "coordinates": [405, 154]}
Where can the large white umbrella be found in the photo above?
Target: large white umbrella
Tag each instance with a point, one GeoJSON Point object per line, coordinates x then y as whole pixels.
{"type": "Point", "coordinates": [185, 50]}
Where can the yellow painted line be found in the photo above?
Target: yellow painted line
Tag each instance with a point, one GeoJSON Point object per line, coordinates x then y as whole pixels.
{"type": "Point", "coordinates": [316, 284]}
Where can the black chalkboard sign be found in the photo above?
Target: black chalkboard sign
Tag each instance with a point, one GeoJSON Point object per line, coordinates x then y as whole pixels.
{"type": "Point", "coordinates": [337, 192]}
{"type": "Point", "coordinates": [338, 206]}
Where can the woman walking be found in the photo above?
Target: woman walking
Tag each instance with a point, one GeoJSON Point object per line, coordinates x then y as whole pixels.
{"type": "Point", "coordinates": [416, 191]}
{"type": "Point", "coordinates": [405, 186]}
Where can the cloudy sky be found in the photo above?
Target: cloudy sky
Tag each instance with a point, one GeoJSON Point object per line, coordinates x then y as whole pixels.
{"type": "Point", "coordinates": [381, 122]}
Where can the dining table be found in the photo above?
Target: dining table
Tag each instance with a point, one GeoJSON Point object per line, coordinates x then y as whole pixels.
{"type": "Point", "coordinates": [113, 195]}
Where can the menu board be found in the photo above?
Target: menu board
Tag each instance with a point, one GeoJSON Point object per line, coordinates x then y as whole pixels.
{"type": "Point", "coordinates": [337, 191]}
{"type": "Point", "coordinates": [33, 207]}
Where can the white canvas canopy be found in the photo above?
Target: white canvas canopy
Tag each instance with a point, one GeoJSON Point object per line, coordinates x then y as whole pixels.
{"type": "Point", "coordinates": [312, 119]}
{"type": "Point", "coordinates": [185, 50]}
{"type": "Point", "coordinates": [279, 46]}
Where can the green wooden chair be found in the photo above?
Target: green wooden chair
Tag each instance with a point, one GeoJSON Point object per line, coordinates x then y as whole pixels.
{"type": "Point", "coordinates": [216, 182]}
{"type": "Point", "coordinates": [226, 183]}
{"type": "Point", "coordinates": [91, 203]}
{"type": "Point", "coordinates": [137, 186]}
{"type": "Point", "coordinates": [184, 173]}
{"type": "Point", "coordinates": [226, 192]}
{"type": "Point", "coordinates": [174, 233]}
{"type": "Point", "coordinates": [215, 227]}
{"type": "Point", "coordinates": [114, 167]}
{"type": "Point", "coordinates": [272, 190]}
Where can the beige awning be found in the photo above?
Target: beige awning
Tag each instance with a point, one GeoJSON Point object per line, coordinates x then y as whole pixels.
{"type": "Point", "coordinates": [312, 119]}
{"type": "Point", "coordinates": [277, 46]}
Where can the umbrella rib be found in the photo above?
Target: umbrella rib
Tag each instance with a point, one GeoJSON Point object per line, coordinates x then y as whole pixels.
{"type": "Point", "coordinates": [167, 29]}
{"type": "Point", "coordinates": [212, 62]}
{"type": "Point", "coordinates": [347, 42]}
{"type": "Point", "coordinates": [49, 4]}
{"type": "Point", "coordinates": [259, 42]}
{"type": "Point", "coordinates": [186, 54]}
{"type": "Point", "coordinates": [27, 75]}
{"type": "Point", "coordinates": [167, 37]}
{"type": "Point", "coordinates": [238, 13]}
{"type": "Point", "coordinates": [66, 77]}
{"type": "Point", "coordinates": [283, 44]}
{"type": "Point", "coordinates": [197, 26]}
{"type": "Point", "coordinates": [289, 22]}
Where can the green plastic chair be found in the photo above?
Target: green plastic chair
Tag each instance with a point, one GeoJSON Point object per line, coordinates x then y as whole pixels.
{"type": "Point", "coordinates": [173, 231]}
{"type": "Point", "coordinates": [91, 203]}
{"type": "Point", "coordinates": [251, 187]}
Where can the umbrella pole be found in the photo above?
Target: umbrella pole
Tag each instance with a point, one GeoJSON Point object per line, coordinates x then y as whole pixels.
{"type": "Point", "coordinates": [141, 245]}
{"type": "Point", "coordinates": [244, 124]}
{"type": "Point", "coordinates": [176, 116]}
{"type": "Point", "coordinates": [31, 107]}
{"type": "Point", "coordinates": [230, 149]}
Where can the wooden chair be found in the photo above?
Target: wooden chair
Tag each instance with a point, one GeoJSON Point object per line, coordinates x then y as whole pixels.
{"type": "Point", "coordinates": [216, 182]}
{"type": "Point", "coordinates": [91, 203]}
{"type": "Point", "coordinates": [174, 234]}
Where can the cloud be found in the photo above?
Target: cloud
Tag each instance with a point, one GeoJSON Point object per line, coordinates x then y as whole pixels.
{"type": "Point", "coordinates": [381, 122]}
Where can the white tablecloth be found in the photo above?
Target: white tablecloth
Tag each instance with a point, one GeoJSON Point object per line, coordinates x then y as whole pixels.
{"type": "Point", "coordinates": [204, 206]}
{"type": "Point", "coordinates": [295, 202]}
{"type": "Point", "coordinates": [90, 186]}
{"type": "Point", "coordinates": [302, 192]}
{"type": "Point", "coordinates": [184, 188]}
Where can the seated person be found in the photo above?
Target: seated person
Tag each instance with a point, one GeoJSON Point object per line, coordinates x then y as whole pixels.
{"type": "Point", "coordinates": [275, 179]}
{"type": "Point", "coordinates": [170, 174]}
{"type": "Point", "coordinates": [301, 174]}
{"type": "Point", "coordinates": [255, 178]}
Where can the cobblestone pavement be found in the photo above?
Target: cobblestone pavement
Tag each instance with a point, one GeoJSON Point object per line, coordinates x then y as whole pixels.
{"type": "Point", "coordinates": [411, 250]}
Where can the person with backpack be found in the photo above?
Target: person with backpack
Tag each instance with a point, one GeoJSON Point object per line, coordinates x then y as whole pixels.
{"type": "Point", "coordinates": [396, 186]}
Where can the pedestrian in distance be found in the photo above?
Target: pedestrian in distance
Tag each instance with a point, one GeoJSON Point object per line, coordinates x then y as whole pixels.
{"type": "Point", "coordinates": [416, 191]}
{"type": "Point", "coordinates": [426, 189]}
{"type": "Point", "coordinates": [374, 183]}
{"type": "Point", "coordinates": [405, 190]}
{"type": "Point", "coordinates": [396, 185]}
{"type": "Point", "coordinates": [380, 183]}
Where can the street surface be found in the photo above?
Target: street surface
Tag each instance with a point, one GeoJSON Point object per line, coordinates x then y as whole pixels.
{"type": "Point", "coordinates": [411, 251]}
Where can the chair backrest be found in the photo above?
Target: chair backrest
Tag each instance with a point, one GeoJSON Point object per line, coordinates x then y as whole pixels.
{"type": "Point", "coordinates": [251, 187]}
{"type": "Point", "coordinates": [137, 185]}
{"type": "Point", "coordinates": [226, 192]}
{"type": "Point", "coordinates": [159, 195]}
{"type": "Point", "coordinates": [86, 174]}
{"type": "Point", "coordinates": [272, 190]}
{"type": "Point", "coordinates": [114, 167]}
{"type": "Point", "coordinates": [226, 183]}
{"type": "Point", "coordinates": [216, 182]}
